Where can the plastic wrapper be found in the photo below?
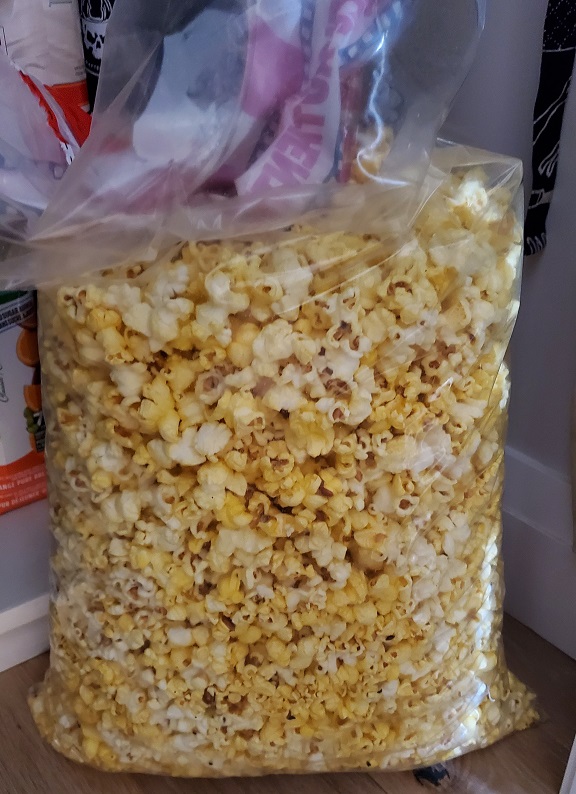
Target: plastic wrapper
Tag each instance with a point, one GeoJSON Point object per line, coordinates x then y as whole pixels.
{"type": "Point", "coordinates": [271, 107]}
{"type": "Point", "coordinates": [276, 399]}
{"type": "Point", "coordinates": [43, 38]}
{"type": "Point", "coordinates": [36, 147]}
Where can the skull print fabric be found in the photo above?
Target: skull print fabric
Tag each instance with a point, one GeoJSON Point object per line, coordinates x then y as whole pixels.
{"type": "Point", "coordinates": [94, 15]}
{"type": "Point", "coordinates": [559, 51]}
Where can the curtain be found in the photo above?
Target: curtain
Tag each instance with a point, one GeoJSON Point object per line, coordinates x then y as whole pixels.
{"type": "Point", "coordinates": [559, 49]}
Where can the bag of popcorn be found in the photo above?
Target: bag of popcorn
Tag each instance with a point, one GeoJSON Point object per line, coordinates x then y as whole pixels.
{"type": "Point", "coordinates": [274, 323]}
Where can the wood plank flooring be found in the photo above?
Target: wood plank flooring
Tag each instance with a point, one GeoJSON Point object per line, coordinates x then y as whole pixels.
{"type": "Point", "coordinates": [531, 762]}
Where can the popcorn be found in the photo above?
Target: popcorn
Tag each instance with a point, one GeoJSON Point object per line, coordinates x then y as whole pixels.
{"type": "Point", "coordinates": [275, 483]}
{"type": "Point", "coordinates": [211, 438]}
{"type": "Point", "coordinates": [284, 398]}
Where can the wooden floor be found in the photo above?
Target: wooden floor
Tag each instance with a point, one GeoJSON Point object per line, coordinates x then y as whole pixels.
{"type": "Point", "coordinates": [532, 762]}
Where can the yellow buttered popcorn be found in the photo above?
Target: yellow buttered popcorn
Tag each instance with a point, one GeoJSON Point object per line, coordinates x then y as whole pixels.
{"type": "Point", "coordinates": [275, 479]}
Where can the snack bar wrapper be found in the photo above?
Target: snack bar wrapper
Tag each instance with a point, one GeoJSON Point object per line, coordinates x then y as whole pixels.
{"type": "Point", "coordinates": [274, 312]}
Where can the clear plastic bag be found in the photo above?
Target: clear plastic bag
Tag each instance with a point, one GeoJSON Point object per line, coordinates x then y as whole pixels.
{"type": "Point", "coordinates": [272, 106]}
{"type": "Point", "coordinates": [276, 471]}
{"type": "Point", "coordinates": [275, 450]}
{"type": "Point", "coordinates": [32, 159]}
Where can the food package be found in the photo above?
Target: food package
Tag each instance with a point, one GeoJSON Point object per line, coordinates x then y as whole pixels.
{"type": "Point", "coordinates": [42, 37]}
{"type": "Point", "coordinates": [276, 392]}
{"type": "Point", "coordinates": [29, 168]}
{"type": "Point", "coordinates": [22, 427]}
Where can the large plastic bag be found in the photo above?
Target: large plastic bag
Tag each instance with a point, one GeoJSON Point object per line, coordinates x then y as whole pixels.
{"type": "Point", "coordinates": [275, 449]}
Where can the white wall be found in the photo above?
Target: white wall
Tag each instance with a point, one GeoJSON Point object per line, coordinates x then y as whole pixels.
{"type": "Point", "coordinates": [494, 111]}
{"type": "Point", "coordinates": [494, 108]}
{"type": "Point", "coordinates": [24, 582]}
{"type": "Point", "coordinates": [25, 549]}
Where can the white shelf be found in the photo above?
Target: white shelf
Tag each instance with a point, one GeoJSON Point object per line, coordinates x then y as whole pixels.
{"type": "Point", "coordinates": [25, 545]}
{"type": "Point", "coordinates": [23, 632]}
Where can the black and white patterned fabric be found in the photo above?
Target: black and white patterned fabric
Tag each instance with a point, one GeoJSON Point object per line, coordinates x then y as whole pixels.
{"type": "Point", "coordinates": [555, 78]}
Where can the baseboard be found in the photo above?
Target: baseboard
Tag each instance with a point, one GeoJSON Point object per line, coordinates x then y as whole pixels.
{"type": "Point", "coordinates": [539, 562]}
{"type": "Point", "coordinates": [23, 632]}
{"type": "Point", "coordinates": [569, 782]}
{"type": "Point", "coordinates": [538, 496]}
{"type": "Point", "coordinates": [540, 583]}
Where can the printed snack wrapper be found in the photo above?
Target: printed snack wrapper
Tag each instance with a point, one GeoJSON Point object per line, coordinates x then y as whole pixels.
{"type": "Point", "coordinates": [274, 318]}
{"type": "Point", "coordinates": [37, 146]}
{"type": "Point", "coordinates": [22, 426]}
{"type": "Point", "coordinates": [43, 39]}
